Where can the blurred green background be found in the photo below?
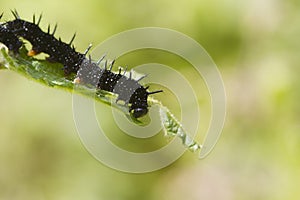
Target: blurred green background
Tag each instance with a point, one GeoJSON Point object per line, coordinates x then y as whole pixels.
{"type": "Point", "coordinates": [256, 47]}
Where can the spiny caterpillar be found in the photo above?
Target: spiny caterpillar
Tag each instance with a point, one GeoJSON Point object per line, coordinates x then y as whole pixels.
{"type": "Point", "coordinates": [87, 71]}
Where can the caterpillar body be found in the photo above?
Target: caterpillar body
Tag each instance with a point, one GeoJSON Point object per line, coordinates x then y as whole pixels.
{"type": "Point", "coordinates": [86, 70]}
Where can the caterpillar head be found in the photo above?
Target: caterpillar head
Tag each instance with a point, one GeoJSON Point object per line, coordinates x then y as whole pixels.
{"type": "Point", "coordinates": [139, 106]}
{"type": "Point", "coordinates": [138, 112]}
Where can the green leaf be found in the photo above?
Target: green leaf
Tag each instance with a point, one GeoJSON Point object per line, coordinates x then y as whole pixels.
{"type": "Point", "coordinates": [173, 128]}
{"type": "Point", "coordinates": [52, 75]}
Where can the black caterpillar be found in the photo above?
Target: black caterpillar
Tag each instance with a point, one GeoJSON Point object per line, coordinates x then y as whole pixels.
{"type": "Point", "coordinates": [87, 72]}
